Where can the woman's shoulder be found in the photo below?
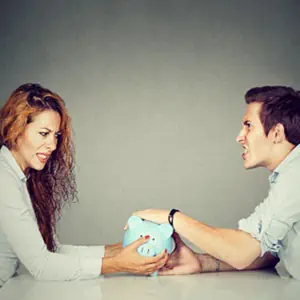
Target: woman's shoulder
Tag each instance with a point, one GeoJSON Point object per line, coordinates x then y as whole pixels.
{"type": "Point", "coordinates": [7, 175]}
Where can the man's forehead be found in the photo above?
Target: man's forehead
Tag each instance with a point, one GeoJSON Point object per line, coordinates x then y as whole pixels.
{"type": "Point", "coordinates": [252, 111]}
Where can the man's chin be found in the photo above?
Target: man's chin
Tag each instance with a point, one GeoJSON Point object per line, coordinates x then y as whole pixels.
{"type": "Point", "coordinates": [249, 166]}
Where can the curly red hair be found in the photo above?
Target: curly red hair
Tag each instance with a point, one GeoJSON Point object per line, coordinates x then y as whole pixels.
{"type": "Point", "coordinates": [54, 185]}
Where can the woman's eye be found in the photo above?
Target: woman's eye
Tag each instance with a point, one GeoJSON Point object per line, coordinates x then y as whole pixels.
{"type": "Point", "coordinates": [43, 133]}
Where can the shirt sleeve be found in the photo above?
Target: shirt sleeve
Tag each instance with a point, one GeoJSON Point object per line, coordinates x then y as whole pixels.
{"type": "Point", "coordinates": [253, 224]}
{"type": "Point", "coordinates": [19, 225]}
{"type": "Point", "coordinates": [272, 219]}
{"type": "Point", "coordinates": [285, 212]}
{"type": "Point", "coordinates": [82, 251]}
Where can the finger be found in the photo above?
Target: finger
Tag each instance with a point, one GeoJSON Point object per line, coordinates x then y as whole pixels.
{"type": "Point", "coordinates": [126, 226]}
{"type": "Point", "coordinates": [139, 242]}
{"type": "Point", "coordinates": [154, 267]}
{"type": "Point", "coordinates": [162, 257]}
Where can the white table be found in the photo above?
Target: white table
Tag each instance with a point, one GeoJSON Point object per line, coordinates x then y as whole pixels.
{"type": "Point", "coordinates": [231, 285]}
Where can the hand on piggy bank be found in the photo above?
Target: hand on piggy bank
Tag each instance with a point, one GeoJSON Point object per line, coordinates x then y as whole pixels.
{"type": "Point", "coordinates": [160, 237]}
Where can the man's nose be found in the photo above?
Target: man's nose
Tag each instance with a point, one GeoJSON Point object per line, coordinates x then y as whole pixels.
{"type": "Point", "coordinates": [240, 137]}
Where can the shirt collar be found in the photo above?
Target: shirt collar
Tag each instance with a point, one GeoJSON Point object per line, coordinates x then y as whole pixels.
{"type": "Point", "coordinates": [6, 153]}
{"type": "Point", "coordinates": [291, 156]}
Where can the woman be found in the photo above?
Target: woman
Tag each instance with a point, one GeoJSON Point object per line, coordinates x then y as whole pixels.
{"type": "Point", "coordinates": [37, 179]}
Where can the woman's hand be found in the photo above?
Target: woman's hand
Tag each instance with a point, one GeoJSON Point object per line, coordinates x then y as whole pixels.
{"type": "Point", "coordinates": [113, 250]}
{"type": "Point", "coordinates": [128, 260]}
{"type": "Point", "coordinates": [159, 216]}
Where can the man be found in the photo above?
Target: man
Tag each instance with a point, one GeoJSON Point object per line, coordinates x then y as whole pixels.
{"type": "Point", "coordinates": [270, 138]}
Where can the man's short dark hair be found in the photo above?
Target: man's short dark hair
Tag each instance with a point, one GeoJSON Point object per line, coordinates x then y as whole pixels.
{"type": "Point", "coordinates": [280, 104]}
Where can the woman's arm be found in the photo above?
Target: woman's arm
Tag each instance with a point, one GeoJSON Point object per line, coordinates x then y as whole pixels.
{"type": "Point", "coordinates": [18, 223]}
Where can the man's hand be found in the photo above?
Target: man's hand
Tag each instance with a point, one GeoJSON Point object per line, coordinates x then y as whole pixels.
{"type": "Point", "coordinates": [158, 216]}
{"type": "Point", "coordinates": [182, 261]}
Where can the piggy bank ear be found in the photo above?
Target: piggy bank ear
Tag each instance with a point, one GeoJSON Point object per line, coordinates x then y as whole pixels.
{"type": "Point", "coordinates": [166, 230]}
{"type": "Point", "coordinates": [134, 221]}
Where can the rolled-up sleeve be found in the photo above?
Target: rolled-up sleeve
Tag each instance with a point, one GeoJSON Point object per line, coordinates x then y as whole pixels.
{"type": "Point", "coordinates": [18, 224]}
{"type": "Point", "coordinates": [274, 218]}
{"type": "Point", "coordinates": [273, 236]}
{"type": "Point", "coordinates": [252, 224]}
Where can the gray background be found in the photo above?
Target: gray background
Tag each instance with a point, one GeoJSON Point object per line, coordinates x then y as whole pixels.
{"type": "Point", "coordinates": [155, 90]}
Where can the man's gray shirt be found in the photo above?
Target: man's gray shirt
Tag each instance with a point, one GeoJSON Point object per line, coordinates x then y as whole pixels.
{"type": "Point", "coordinates": [276, 221]}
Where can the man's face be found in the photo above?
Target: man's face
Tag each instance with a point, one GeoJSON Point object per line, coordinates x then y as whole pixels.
{"type": "Point", "coordinates": [38, 141]}
{"type": "Point", "coordinates": [257, 146]}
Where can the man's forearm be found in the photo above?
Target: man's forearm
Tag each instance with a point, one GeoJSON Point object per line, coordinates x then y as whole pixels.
{"type": "Point", "coordinates": [211, 264]}
{"type": "Point", "coordinates": [236, 247]}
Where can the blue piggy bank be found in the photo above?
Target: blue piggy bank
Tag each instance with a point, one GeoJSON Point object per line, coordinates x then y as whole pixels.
{"type": "Point", "coordinates": [160, 237]}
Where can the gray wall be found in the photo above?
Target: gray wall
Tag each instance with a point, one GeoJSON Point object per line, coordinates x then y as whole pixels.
{"type": "Point", "coordinates": [155, 90]}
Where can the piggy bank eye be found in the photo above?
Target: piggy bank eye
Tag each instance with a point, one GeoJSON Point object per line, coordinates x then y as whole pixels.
{"type": "Point", "coordinates": [141, 235]}
{"type": "Point", "coordinates": [153, 239]}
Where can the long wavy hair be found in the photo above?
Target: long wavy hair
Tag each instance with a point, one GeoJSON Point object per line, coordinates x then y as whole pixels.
{"type": "Point", "coordinates": [54, 185]}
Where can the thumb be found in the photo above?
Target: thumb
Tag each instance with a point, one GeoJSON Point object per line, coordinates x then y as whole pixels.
{"type": "Point", "coordinates": [177, 238]}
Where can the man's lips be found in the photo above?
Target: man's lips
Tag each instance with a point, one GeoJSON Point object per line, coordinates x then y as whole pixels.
{"type": "Point", "coordinates": [245, 152]}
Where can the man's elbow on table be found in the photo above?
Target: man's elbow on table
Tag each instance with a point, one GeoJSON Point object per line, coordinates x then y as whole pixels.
{"type": "Point", "coordinates": [244, 255]}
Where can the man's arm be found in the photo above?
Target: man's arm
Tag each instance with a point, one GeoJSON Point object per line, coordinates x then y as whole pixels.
{"type": "Point", "coordinates": [185, 261]}
{"type": "Point", "coordinates": [235, 247]}
{"type": "Point", "coordinates": [211, 264]}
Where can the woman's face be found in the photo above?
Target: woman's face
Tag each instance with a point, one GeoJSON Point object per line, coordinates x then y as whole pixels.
{"type": "Point", "coordinates": [38, 141]}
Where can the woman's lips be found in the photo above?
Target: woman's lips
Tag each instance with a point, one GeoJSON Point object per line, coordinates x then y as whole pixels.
{"type": "Point", "coordinates": [42, 157]}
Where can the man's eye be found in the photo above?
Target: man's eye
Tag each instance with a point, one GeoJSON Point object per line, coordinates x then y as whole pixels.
{"type": "Point", "coordinates": [248, 125]}
{"type": "Point", "coordinates": [43, 133]}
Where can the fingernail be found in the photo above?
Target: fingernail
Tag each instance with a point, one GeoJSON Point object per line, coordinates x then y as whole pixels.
{"type": "Point", "coordinates": [147, 237]}
{"type": "Point", "coordinates": [165, 250]}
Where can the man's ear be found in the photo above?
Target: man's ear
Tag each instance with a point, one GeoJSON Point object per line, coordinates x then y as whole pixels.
{"type": "Point", "coordinates": [278, 133]}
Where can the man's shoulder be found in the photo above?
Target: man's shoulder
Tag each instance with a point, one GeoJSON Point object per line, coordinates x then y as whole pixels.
{"type": "Point", "coordinates": [289, 178]}
{"type": "Point", "coordinates": [292, 169]}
